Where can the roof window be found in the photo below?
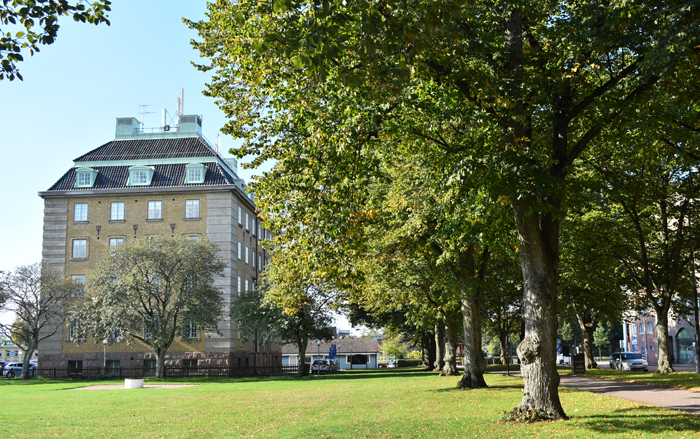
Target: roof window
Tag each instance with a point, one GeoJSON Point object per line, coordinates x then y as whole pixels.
{"type": "Point", "coordinates": [85, 177]}
{"type": "Point", "coordinates": [140, 175]}
{"type": "Point", "coordinates": [195, 173]}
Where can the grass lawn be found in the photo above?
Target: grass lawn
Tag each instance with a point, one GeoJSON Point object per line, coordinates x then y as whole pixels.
{"type": "Point", "coordinates": [384, 403]}
{"type": "Point", "coordinates": [679, 380]}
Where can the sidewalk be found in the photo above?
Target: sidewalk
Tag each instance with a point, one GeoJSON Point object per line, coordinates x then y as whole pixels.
{"type": "Point", "coordinates": [674, 399]}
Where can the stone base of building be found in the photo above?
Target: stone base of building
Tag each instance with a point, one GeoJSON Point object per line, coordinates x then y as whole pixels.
{"type": "Point", "coordinates": [172, 359]}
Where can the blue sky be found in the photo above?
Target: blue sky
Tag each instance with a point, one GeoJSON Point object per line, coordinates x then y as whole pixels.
{"type": "Point", "coordinates": [71, 94]}
{"type": "Point", "coordinates": [74, 90]}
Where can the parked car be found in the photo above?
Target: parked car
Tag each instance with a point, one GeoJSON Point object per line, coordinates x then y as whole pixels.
{"type": "Point", "coordinates": [2, 366]}
{"type": "Point", "coordinates": [563, 359]}
{"type": "Point", "coordinates": [15, 369]}
{"type": "Point", "coordinates": [320, 366]}
{"type": "Point", "coordinates": [628, 361]}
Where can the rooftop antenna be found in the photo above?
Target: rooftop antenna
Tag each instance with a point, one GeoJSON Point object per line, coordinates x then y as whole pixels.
{"type": "Point", "coordinates": [181, 102]}
{"type": "Point", "coordinates": [218, 143]}
{"type": "Point", "coordinates": [144, 112]}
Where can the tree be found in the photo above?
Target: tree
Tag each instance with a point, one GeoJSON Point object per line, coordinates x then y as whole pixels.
{"type": "Point", "coordinates": [36, 24]}
{"type": "Point", "coordinates": [602, 336]}
{"type": "Point", "coordinates": [153, 290]}
{"type": "Point", "coordinates": [393, 346]}
{"type": "Point", "coordinates": [301, 304]}
{"type": "Point", "coordinates": [517, 91]}
{"type": "Point", "coordinates": [37, 296]}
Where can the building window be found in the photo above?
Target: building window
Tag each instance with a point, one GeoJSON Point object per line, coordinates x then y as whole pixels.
{"type": "Point", "coordinates": [253, 258]}
{"type": "Point", "coordinates": [85, 177]}
{"type": "Point", "coordinates": [239, 286]}
{"type": "Point", "coordinates": [80, 212]}
{"type": "Point", "coordinates": [192, 209]}
{"type": "Point", "coordinates": [117, 211]}
{"type": "Point", "coordinates": [649, 330]}
{"type": "Point", "coordinates": [190, 330]}
{"type": "Point", "coordinates": [641, 329]}
{"type": "Point", "coordinates": [115, 242]}
{"type": "Point", "coordinates": [155, 210]}
{"type": "Point", "coordinates": [147, 329]}
{"type": "Point", "coordinates": [195, 173]}
{"type": "Point", "coordinates": [247, 221]}
{"type": "Point", "coordinates": [79, 279]}
{"type": "Point", "coordinates": [190, 365]}
{"type": "Point", "coordinates": [140, 175]}
{"type": "Point", "coordinates": [246, 285]}
{"type": "Point", "coordinates": [239, 250]}
{"type": "Point", "coordinates": [112, 367]}
{"type": "Point", "coordinates": [75, 368]}
{"type": "Point", "coordinates": [240, 215]}
{"type": "Point", "coordinates": [253, 228]}
{"type": "Point", "coordinates": [194, 238]}
{"type": "Point", "coordinates": [260, 236]}
{"type": "Point", "coordinates": [260, 261]}
{"type": "Point", "coordinates": [246, 254]}
{"type": "Point", "coordinates": [79, 248]}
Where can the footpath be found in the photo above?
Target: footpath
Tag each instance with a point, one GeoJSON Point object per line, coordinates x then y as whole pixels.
{"type": "Point", "coordinates": [674, 399]}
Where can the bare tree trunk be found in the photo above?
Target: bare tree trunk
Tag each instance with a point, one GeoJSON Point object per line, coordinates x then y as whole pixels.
{"type": "Point", "coordinates": [428, 342]}
{"type": "Point", "coordinates": [474, 364]}
{"type": "Point", "coordinates": [502, 340]}
{"type": "Point", "coordinates": [27, 357]}
{"type": "Point", "coordinates": [539, 259]}
{"type": "Point", "coordinates": [160, 363]}
{"type": "Point", "coordinates": [301, 344]}
{"type": "Point", "coordinates": [587, 331]}
{"type": "Point", "coordinates": [665, 366]}
{"type": "Point", "coordinates": [439, 345]}
{"type": "Point", "coordinates": [451, 325]}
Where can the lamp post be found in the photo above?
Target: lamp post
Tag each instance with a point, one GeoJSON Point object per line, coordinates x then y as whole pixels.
{"type": "Point", "coordinates": [104, 345]}
{"type": "Point", "coordinates": [318, 343]}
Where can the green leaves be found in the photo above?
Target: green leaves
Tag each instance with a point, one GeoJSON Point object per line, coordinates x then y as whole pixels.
{"type": "Point", "coordinates": [25, 13]}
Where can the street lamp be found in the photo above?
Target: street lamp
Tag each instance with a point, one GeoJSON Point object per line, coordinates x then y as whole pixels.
{"type": "Point", "coordinates": [104, 344]}
{"type": "Point", "coordinates": [318, 343]}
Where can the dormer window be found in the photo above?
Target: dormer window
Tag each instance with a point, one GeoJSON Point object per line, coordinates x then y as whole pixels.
{"type": "Point", "coordinates": [85, 177]}
{"type": "Point", "coordinates": [195, 173]}
{"type": "Point", "coordinates": [140, 175]}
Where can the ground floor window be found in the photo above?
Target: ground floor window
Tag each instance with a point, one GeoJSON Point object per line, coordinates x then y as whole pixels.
{"type": "Point", "coordinates": [190, 365]}
{"type": "Point", "coordinates": [75, 368]}
{"type": "Point", "coordinates": [149, 367]}
{"type": "Point", "coordinates": [685, 346]}
{"type": "Point", "coordinates": [112, 367]}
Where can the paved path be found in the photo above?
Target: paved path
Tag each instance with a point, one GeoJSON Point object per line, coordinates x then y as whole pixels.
{"type": "Point", "coordinates": [675, 399]}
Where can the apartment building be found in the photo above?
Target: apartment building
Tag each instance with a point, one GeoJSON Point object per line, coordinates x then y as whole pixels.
{"type": "Point", "coordinates": [164, 182]}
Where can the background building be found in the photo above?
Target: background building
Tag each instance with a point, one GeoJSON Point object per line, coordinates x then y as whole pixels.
{"type": "Point", "coordinates": [162, 182]}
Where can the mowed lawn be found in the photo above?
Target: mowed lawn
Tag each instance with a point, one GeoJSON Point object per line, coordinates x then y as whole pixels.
{"type": "Point", "coordinates": [384, 403]}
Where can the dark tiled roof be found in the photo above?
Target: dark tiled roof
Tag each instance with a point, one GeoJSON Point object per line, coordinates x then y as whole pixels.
{"type": "Point", "coordinates": [359, 346]}
{"type": "Point", "coordinates": [148, 149]}
{"type": "Point", "coordinates": [116, 177]}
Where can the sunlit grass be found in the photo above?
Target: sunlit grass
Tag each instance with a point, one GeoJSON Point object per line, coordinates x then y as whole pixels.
{"type": "Point", "coordinates": [375, 404]}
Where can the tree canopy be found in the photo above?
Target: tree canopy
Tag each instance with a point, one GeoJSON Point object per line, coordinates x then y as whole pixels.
{"type": "Point", "coordinates": [153, 290]}
{"type": "Point", "coordinates": [514, 92]}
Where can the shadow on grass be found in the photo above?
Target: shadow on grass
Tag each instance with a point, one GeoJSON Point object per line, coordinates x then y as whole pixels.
{"type": "Point", "coordinates": [624, 421]}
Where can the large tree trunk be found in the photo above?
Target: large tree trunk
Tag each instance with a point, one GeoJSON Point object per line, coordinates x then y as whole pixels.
{"type": "Point", "coordinates": [160, 363]}
{"type": "Point", "coordinates": [428, 342]}
{"type": "Point", "coordinates": [503, 342]}
{"type": "Point", "coordinates": [25, 362]}
{"type": "Point", "coordinates": [539, 259]}
{"type": "Point", "coordinates": [439, 345]}
{"type": "Point", "coordinates": [451, 325]}
{"type": "Point", "coordinates": [665, 366]}
{"type": "Point", "coordinates": [301, 344]}
{"type": "Point", "coordinates": [587, 331]}
{"type": "Point", "coordinates": [474, 364]}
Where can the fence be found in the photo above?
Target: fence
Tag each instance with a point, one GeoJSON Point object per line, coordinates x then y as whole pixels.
{"type": "Point", "coordinates": [170, 372]}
